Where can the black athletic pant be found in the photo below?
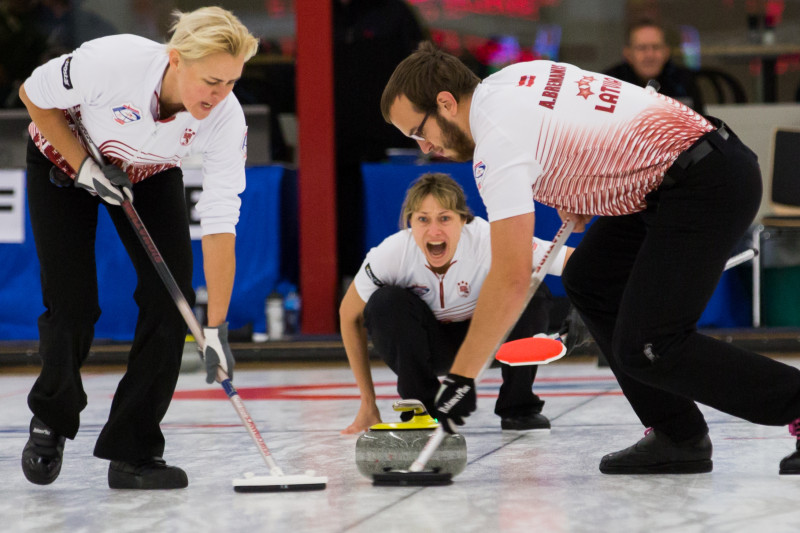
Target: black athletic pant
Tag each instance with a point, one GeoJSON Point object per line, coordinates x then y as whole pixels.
{"type": "Point", "coordinates": [641, 282]}
{"type": "Point", "coordinates": [418, 348]}
{"type": "Point", "coordinates": [64, 224]}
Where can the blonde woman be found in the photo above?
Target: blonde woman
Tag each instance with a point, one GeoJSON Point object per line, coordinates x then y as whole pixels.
{"type": "Point", "coordinates": [146, 105]}
{"type": "Point", "coordinates": [415, 294]}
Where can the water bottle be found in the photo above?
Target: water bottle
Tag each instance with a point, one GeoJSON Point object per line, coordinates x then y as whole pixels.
{"type": "Point", "coordinates": [292, 310]}
{"type": "Point", "coordinates": [201, 304]}
{"type": "Point", "coordinates": [275, 316]}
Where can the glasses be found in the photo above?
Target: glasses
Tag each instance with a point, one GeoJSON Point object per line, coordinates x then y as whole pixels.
{"type": "Point", "coordinates": [649, 47]}
{"type": "Point", "coordinates": [417, 135]}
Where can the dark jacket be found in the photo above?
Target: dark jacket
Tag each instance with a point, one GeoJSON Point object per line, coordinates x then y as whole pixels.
{"type": "Point", "coordinates": [676, 82]}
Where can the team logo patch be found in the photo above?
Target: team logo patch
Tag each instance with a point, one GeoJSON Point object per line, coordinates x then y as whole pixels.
{"type": "Point", "coordinates": [372, 276]}
{"type": "Point", "coordinates": [463, 289]}
{"type": "Point", "coordinates": [65, 76]}
{"type": "Point", "coordinates": [479, 171]}
{"type": "Point", "coordinates": [419, 290]}
{"type": "Point", "coordinates": [187, 137]}
{"type": "Point", "coordinates": [126, 113]}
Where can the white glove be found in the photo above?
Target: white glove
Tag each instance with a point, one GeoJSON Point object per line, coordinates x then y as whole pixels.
{"type": "Point", "coordinates": [217, 352]}
{"type": "Point", "coordinates": [540, 248]}
{"type": "Point", "coordinates": [108, 182]}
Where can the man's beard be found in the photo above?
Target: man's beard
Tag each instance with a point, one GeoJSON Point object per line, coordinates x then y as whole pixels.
{"type": "Point", "coordinates": [454, 139]}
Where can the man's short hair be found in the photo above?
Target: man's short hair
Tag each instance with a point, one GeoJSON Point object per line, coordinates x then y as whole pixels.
{"type": "Point", "coordinates": [423, 75]}
{"type": "Point", "coordinates": [643, 23]}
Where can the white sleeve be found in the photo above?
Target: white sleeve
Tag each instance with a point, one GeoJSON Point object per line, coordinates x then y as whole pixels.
{"type": "Point", "coordinates": [71, 79]}
{"type": "Point", "coordinates": [504, 172]}
{"type": "Point", "coordinates": [540, 247]}
{"type": "Point", "coordinates": [224, 155]}
{"type": "Point", "coordinates": [381, 266]}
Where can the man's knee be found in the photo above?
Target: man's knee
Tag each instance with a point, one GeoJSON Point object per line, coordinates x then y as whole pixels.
{"type": "Point", "coordinates": [640, 354]}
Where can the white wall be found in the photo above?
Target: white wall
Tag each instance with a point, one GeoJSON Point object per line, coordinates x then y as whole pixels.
{"type": "Point", "coordinates": [755, 124]}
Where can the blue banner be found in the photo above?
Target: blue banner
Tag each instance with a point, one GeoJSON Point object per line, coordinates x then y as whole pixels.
{"type": "Point", "coordinates": [258, 266]}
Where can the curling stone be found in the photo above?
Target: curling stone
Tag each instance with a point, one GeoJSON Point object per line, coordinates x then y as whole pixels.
{"type": "Point", "coordinates": [190, 360]}
{"type": "Point", "coordinates": [395, 446]}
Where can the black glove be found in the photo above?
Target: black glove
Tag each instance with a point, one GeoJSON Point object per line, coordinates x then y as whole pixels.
{"type": "Point", "coordinates": [110, 182]}
{"type": "Point", "coordinates": [217, 353]}
{"type": "Point", "coordinates": [575, 335]}
{"type": "Point", "coordinates": [455, 400]}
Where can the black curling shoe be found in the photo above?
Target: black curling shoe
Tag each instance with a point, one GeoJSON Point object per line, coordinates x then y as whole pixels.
{"type": "Point", "coordinates": [790, 465]}
{"type": "Point", "coordinates": [658, 454]}
{"type": "Point", "coordinates": [43, 453]}
{"type": "Point", "coordinates": [150, 474]}
{"type": "Point", "coordinates": [531, 422]}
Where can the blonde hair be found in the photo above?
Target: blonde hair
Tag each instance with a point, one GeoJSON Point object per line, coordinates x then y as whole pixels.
{"type": "Point", "coordinates": [210, 30]}
{"type": "Point", "coordinates": [445, 189]}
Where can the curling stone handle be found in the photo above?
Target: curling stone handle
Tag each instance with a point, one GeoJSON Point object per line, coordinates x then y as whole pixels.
{"type": "Point", "coordinates": [410, 405]}
{"type": "Point", "coordinates": [424, 456]}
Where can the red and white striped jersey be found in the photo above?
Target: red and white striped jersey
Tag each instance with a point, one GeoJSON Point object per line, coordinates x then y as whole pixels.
{"type": "Point", "coordinates": [580, 141]}
{"type": "Point", "coordinates": [114, 83]}
{"type": "Point", "coordinates": [451, 296]}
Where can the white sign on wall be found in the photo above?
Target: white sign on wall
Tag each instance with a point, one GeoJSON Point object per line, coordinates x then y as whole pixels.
{"type": "Point", "coordinates": [12, 206]}
{"type": "Point", "coordinates": [193, 185]}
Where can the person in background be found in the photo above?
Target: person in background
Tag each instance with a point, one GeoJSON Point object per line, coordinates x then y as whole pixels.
{"type": "Point", "coordinates": [35, 31]}
{"type": "Point", "coordinates": [369, 38]}
{"type": "Point", "coordinates": [647, 57]}
{"type": "Point", "coordinates": [146, 105]}
{"type": "Point", "coordinates": [66, 25]}
{"type": "Point", "coordinates": [23, 46]}
{"type": "Point", "coordinates": [414, 296]}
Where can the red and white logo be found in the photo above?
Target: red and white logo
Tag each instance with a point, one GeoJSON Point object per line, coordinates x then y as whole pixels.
{"type": "Point", "coordinates": [463, 289]}
{"type": "Point", "coordinates": [187, 137]}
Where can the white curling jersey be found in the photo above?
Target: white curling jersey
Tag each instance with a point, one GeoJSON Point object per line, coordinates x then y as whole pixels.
{"type": "Point", "coordinates": [114, 83]}
{"type": "Point", "coordinates": [451, 296]}
{"type": "Point", "coordinates": [580, 141]}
